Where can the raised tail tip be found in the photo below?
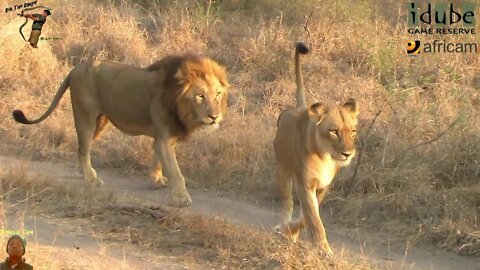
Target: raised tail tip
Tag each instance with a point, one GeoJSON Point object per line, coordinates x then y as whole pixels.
{"type": "Point", "coordinates": [20, 117]}
{"type": "Point", "coordinates": [302, 48]}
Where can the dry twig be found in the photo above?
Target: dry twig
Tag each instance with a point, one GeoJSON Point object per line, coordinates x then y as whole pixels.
{"type": "Point", "coordinates": [305, 26]}
{"type": "Point", "coordinates": [353, 182]}
{"type": "Point", "coordinates": [436, 138]}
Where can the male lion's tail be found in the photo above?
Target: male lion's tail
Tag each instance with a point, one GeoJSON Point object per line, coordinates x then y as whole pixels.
{"type": "Point", "coordinates": [300, 48]}
{"type": "Point", "coordinates": [20, 117]}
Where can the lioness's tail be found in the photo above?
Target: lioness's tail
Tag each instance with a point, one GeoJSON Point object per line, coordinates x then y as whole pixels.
{"type": "Point", "coordinates": [300, 48]}
{"type": "Point", "coordinates": [20, 117]}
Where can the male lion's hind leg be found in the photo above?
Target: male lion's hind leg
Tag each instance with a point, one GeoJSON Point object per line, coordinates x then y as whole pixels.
{"type": "Point", "coordinates": [86, 129]}
{"type": "Point", "coordinates": [156, 174]}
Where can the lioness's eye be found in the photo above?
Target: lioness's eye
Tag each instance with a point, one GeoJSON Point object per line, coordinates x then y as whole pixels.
{"type": "Point", "coordinates": [353, 133]}
{"type": "Point", "coordinates": [200, 95]}
{"type": "Point", "coordinates": [219, 93]}
{"type": "Point", "coordinates": [334, 132]}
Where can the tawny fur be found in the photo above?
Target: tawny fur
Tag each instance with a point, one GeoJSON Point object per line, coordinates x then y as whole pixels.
{"type": "Point", "coordinates": [167, 101]}
{"type": "Point", "coordinates": [311, 144]}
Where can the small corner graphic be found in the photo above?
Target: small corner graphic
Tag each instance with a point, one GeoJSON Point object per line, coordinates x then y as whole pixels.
{"type": "Point", "coordinates": [413, 47]}
{"type": "Point", "coordinates": [38, 20]}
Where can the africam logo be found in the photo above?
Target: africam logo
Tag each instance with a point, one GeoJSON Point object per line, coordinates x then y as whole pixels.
{"type": "Point", "coordinates": [414, 47]}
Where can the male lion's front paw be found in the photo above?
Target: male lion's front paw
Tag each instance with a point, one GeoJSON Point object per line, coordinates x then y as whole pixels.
{"type": "Point", "coordinates": [161, 182]}
{"type": "Point", "coordinates": [325, 249]}
{"type": "Point", "coordinates": [181, 200]}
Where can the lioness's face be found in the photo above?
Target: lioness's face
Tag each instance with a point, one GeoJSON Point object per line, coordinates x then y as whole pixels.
{"type": "Point", "coordinates": [208, 99]}
{"type": "Point", "coordinates": [336, 131]}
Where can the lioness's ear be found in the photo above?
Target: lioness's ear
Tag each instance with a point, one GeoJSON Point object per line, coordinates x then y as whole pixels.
{"type": "Point", "coordinates": [352, 106]}
{"type": "Point", "coordinates": [317, 112]}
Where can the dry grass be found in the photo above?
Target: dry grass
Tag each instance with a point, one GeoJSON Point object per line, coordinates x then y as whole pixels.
{"type": "Point", "coordinates": [191, 239]}
{"type": "Point", "coordinates": [429, 193]}
{"type": "Point", "coordinates": [46, 257]}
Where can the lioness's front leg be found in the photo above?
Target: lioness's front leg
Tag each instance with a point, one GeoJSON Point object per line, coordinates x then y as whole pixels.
{"type": "Point", "coordinates": [310, 211]}
{"type": "Point", "coordinates": [164, 151]}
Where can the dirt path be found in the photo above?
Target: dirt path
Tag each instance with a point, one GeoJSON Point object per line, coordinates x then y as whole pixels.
{"type": "Point", "coordinates": [75, 239]}
{"type": "Point", "coordinates": [136, 188]}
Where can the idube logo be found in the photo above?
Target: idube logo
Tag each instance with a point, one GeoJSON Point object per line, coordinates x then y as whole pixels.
{"type": "Point", "coordinates": [442, 15]}
{"type": "Point", "coordinates": [445, 22]}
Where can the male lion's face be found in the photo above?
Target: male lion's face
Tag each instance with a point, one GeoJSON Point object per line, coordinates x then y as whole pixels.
{"type": "Point", "coordinates": [204, 99]}
{"type": "Point", "coordinates": [208, 99]}
{"type": "Point", "coordinates": [336, 129]}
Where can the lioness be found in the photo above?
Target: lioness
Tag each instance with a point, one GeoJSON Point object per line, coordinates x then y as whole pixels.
{"type": "Point", "coordinates": [166, 101]}
{"type": "Point", "coordinates": [311, 144]}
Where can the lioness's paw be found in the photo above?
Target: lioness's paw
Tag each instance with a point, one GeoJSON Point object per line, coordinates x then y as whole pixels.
{"type": "Point", "coordinates": [96, 182]}
{"type": "Point", "coordinates": [160, 182]}
{"type": "Point", "coordinates": [284, 231]}
{"type": "Point", "coordinates": [181, 200]}
{"type": "Point", "coordinates": [277, 229]}
{"type": "Point", "coordinates": [325, 249]}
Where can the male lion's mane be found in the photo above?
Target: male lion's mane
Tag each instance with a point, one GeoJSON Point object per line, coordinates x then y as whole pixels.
{"type": "Point", "coordinates": [192, 66]}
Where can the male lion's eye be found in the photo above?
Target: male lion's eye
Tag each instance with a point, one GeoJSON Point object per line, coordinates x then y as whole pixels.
{"type": "Point", "coordinates": [334, 132]}
{"type": "Point", "coordinates": [201, 95]}
{"type": "Point", "coordinates": [218, 94]}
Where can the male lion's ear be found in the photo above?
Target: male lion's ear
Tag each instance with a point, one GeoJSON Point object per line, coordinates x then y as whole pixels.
{"type": "Point", "coordinates": [221, 74]}
{"type": "Point", "coordinates": [187, 73]}
{"type": "Point", "coordinates": [180, 76]}
{"type": "Point", "coordinates": [317, 112]}
{"type": "Point", "coordinates": [224, 83]}
{"type": "Point", "coordinates": [352, 106]}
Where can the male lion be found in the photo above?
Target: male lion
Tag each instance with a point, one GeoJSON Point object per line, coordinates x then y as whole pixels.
{"type": "Point", "coordinates": [311, 144]}
{"type": "Point", "coordinates": [166, 101]}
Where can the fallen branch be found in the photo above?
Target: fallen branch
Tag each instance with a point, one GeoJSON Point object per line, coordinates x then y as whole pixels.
{"type": "Point", "coordinates": [27, 198]}
{"type": "Point", "coordinates": [154, 212]}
